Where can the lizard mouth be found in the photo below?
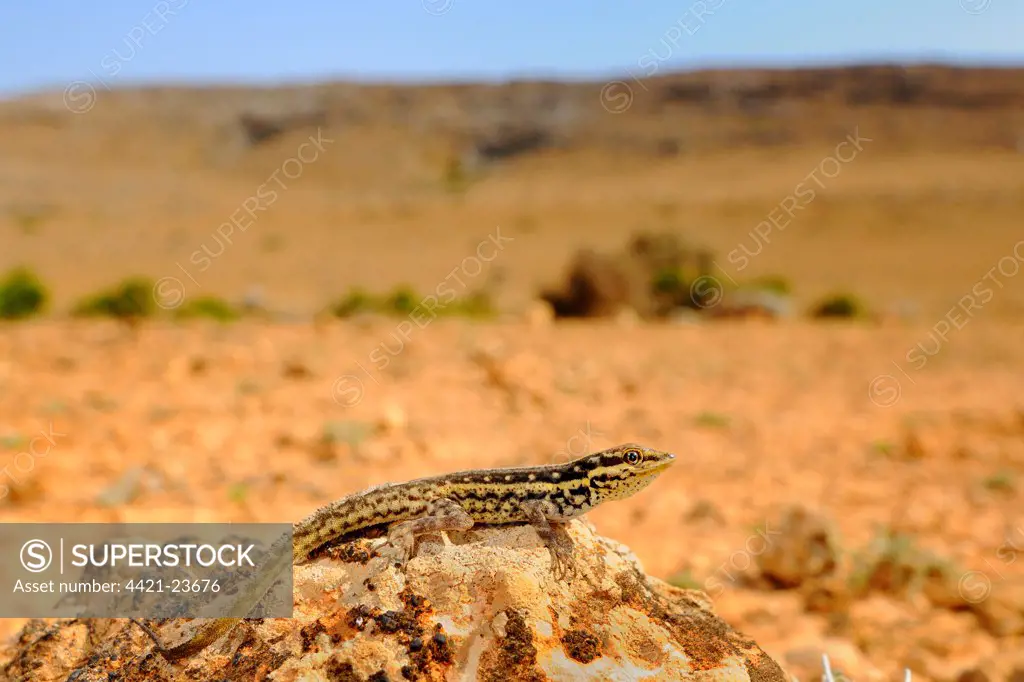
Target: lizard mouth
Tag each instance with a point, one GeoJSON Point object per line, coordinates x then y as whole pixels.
{"type": "Point", "coordinates": [660, 465]}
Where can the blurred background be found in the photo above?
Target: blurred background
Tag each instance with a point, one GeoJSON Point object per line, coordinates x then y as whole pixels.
{"type": "Point", "coordinates": [254, 258]}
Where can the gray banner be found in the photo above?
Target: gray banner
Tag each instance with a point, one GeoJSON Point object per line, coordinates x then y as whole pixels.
{"type": "Point", "coordinates": [145, 570]}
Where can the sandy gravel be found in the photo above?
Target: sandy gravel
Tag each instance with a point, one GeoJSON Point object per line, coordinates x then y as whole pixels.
{"type": "Point", "coordinates": [202, 423]}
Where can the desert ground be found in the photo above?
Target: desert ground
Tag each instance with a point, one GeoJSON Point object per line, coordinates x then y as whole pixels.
{"type": "Point", "coordinates": [901, 434]}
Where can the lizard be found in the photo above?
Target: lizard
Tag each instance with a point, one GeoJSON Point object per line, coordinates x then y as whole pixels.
{"type": "Point", "coordinates": [546, 497]}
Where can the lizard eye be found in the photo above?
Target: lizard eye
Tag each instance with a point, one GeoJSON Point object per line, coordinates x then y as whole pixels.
{"type": "Point", "coordinates": [632, 456]}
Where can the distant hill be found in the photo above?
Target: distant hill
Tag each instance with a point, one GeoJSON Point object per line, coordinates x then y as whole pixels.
{"type": "Point", "coordinates": [97, 183]}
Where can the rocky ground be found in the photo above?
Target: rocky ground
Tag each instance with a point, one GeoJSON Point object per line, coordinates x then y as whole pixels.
{"type": "Point", "coordinates": [821, 508]}
{"type": "Point", "coordinates": [852, 489]}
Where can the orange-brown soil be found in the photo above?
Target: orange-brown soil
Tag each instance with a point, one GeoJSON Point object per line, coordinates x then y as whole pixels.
{"type": "Point", "coordinates": [202, 423]}
{"type": "Point", "coordinates": [264, 421]}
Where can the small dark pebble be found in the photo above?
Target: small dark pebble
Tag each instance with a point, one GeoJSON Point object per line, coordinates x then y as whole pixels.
{"type": "Point", "coordinates": [413, 601]}
{"type": "Point", "coordinates": [440, 647]}
{"type": "Point", "coordinates": [340, 671]}
{"type": "Point", "coordinates": [379, 676]}
{"type": "Point", "coordinates": [408, 672]}
{"type": "Point", "coordinates": [581, 646]}
{"type": "Point", "coordinates": [389, 621]}
{"type": "Point", "coordinates": [416, 644]}
{"type": "Point", "coordinates": [310, 633]}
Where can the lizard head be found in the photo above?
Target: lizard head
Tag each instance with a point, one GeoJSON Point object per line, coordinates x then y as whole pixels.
{"type": "Point", "coordinates": [619, 472]}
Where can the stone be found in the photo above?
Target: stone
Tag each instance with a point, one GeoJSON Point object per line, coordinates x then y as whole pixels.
{"type": "Point", "coordinates": [1001, 612]}
{"type": "Point", "coordinates": [483, 606]}
{"type": "Point", "coordinates": [804, 548]}
{"type": "Point", "coordinates": [539, 314]}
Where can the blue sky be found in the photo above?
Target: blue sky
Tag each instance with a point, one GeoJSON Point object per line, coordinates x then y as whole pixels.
{"type": "Point", "coordinates": [50, 43]}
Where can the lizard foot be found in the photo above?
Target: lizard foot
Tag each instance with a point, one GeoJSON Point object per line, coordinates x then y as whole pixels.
{"type": "Point", "coordinates": [442, 515]}
{"type": "Point", "coordinates": [563, 563]}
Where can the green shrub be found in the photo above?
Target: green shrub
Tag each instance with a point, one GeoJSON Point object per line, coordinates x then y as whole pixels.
{"type": "Point", "coordinates": [357, 301]}
{"type": "Point", "coordinates": [670, 281]}
{"type": "Point", "coordinates": [895, 564]}
{"type": "Point", "coordinates": [22, 295]}
{"type": "Point", "coordinates": [838, 306]}
{"type": "Point", "coordinates": [130, 299]}
{"type": "Point", "coordinates": [712, 420]}
{"type": "Point", "coordinates": [670, 289]}
{"type": "Point", "coordinates": [238, 492]}
{"type": "Point", "coordinates": [1002, 481]}
{"type": "Point", "coordinates": [209, 307]}
{"type": "Point", "coordinates": [476, 304]}
{"type": "Point", "coordinates": [402, 301]}
{"type": "Point", "coordinates": [776, 284]}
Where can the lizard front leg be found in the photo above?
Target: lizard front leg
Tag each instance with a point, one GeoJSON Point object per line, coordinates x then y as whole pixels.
{"type": "Point", "coordinates": [442, 515]}
{"type": "Point", "coordinates": [547, 522]}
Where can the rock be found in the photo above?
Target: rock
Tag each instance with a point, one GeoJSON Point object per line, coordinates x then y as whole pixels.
{"type": "Point", "coordinates": [124, 490]}
{"type": "Point", "coordinates": [877, 623]}
{"type": "Point", "coordinates": [539, 314]}
{"type": "Point", "coordinates": [596, 285]}
{"type": "Point", "coordinates": [972, 675]}
{"type": "Point", "coordinates": [23, 490]}
{"type": "Point", "coordinates": [254, 299]}
{"type": "Point", "coordinates": [393, 419]}
{"type": "Point", "coordinates": [256, 127]}
{"type": "Point", "coordinates": [948, 636]}
{"type": "Point", "coordinates": [802, 549]}
{"type": "Point", "coordinates": [705, 511]}
{"type": "Point", "coordinates": [924, 664]}
{"type": "Point", "coordinates": [655, 274]}
{"type": "Point", "coordinates": [1001, 613]}
{"type": "Point", "coordinates": [297, 369]}
{"type": "Point", "coordinates": [944, 589]}
{"type": "Point", "coordinates": [829, 595]}
{"type": "Point", "coordinates": [484, 608]}
{"type": "Point", "coordinates": [914, 446]}
{"type": "Point", "coordinates": [1008, 666]}
{"type": "Point", "coordinates": [507, 142]}
{"type": "Point", "coordinates": [757, 303]}
{"type": "Point", "coordinates": [685, 316]}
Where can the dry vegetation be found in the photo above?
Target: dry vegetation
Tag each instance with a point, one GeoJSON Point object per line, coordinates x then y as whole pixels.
{"type": "Point", "coordinates": [858, 510]}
